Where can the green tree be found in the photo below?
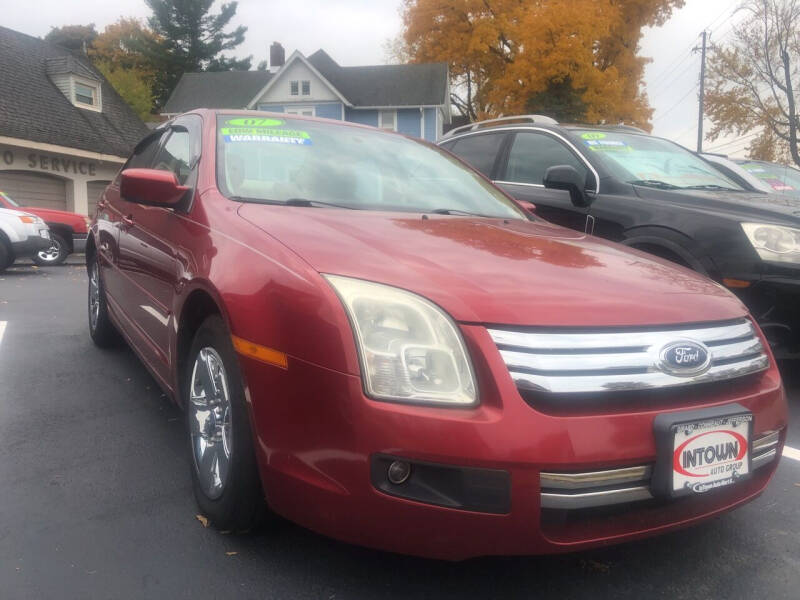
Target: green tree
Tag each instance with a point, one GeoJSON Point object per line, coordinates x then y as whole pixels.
{"type": "Point", "coordinates": [188, 38]}
{"type": "Point", "coordinates": [75, 37]}
{"type": "Point", "coordinates": [132, 84]}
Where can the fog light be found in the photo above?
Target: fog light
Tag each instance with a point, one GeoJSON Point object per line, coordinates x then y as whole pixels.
{"type": "Point", "coordinates": [398, 472]}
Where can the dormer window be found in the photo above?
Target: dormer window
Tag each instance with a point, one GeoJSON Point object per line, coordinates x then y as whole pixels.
{"type": "Point", "coordinates": [86, 93]}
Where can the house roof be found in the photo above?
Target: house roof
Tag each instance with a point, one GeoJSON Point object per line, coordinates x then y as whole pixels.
{"type": "Point", "coordinates": [385, 85]}
{"type": "Point", "coordinates": [33, 108]}
{"type": "Point", "coordinates": [223, 89]}
{"type": "Point", "coordinates": [379, 85]}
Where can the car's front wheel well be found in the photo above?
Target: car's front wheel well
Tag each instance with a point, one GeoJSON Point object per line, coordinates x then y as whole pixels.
{"type": "Point", "coordinates": [64, 232]}
{"type": "Point", "coordinates": [664, 253]}
{"type": "Point", "coordinates": [197, 308]}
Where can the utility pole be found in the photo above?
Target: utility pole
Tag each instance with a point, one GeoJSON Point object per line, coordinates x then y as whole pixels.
{"type": "Point", "coordinates": [702, 92]}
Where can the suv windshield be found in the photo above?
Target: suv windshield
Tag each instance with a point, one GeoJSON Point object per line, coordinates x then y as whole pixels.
{"type": "Point", "coordinates": [653, 162]}
{"type": "Point", "coordinates": [8, 199]}
{"type": "Point", "coordinates": [308, 163]}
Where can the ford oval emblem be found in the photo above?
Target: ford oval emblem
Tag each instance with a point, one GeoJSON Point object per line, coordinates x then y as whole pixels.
{"type": "Point", "coordinates": [684, 358]}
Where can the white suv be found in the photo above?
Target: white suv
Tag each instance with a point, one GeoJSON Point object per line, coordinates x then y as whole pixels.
{"type": "Point", "coordinates": [21, 235]}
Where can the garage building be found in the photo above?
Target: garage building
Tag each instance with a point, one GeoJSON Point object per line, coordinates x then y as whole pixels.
{"type": "Point", "coordinates": [64, 131]}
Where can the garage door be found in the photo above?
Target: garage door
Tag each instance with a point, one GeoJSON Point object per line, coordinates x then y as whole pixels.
{"type": "Point", "coordinates": [33, 189]}
{"type": "Point", "coordinates": [94, 190]}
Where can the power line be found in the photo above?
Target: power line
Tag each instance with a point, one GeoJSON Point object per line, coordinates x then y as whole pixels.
{"type": "Point", "coordinates": [672, 76]}
{"type": "Point", "coordinates": [678, 103]}
{"type": "Point", "coordinates": [739, 140]}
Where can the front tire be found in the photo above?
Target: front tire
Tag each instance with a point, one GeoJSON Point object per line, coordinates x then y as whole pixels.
{"type": "Point", "coordinates": [56, 254]}
{"type": "Point", "coordinates": [6, 256]}
{"type": "Point", "coordinates": [101, 329]}
{"type": "Point", "coordinates": [224, 471]}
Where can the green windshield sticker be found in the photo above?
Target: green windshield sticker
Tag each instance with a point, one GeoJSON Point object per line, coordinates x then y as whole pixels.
{"type": "Point", "coordinates": [252, 122]}
{"type": "Point", "coordinates": [608, 146]}
{"type": "Point", "coordinates": [593, 135]}
{"type": "Point", "coordinates": [261, 134]}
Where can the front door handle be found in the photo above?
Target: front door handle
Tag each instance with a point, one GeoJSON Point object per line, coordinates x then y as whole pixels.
{"type": "Point", "coordinates": [128, 220]}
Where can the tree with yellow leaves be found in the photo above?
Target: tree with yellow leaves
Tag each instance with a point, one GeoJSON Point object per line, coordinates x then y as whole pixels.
{"type": "Point", "coordinates": [753, 79]}
{"type": "Point", "coordinates": [573, 59]}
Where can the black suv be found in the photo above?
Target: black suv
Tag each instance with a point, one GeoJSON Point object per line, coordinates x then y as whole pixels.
{"type": "Point", "coordinates": [646, 192]}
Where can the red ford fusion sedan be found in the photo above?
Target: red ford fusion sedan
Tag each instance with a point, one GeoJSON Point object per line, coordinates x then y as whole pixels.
{"type": "Point", "coordinates": [368, 335]}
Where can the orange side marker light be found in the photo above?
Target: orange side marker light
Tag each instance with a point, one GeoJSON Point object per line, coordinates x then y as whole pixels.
{"type": "Point", "coordinates": [260, 353]}
{"type": "Point", "coordinates": [735, 283]}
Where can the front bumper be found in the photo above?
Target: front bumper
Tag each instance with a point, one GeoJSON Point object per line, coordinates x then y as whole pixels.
{"type": "Point", "coordinates": [30, 246]}
{"type": "Point", "coordinates": [318, 438]}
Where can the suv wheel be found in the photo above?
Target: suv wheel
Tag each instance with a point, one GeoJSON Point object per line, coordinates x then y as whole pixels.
{"type": "Point", "coordinates": [54, 255]}
{"type": "Point", "coordinates": [224, 472]}
{"type": "Point", "coordinates": [102, 331]}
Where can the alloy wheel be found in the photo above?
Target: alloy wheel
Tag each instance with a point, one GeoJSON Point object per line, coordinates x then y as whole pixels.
{"type": "Point", "coordinates": [52, 253]}
{"type": "Point", "coordinates": [210, 422]}
{"type": "Point", "coordinates": [94, 296]}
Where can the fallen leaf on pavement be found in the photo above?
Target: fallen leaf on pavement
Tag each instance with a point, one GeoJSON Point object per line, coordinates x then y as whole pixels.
{"type": "Point", "coordinates": [231, 553]}
{"type": "Point", "coordinates": [202, 519]}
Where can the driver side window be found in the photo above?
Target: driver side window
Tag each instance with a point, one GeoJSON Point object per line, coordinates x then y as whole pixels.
{"type": "Point", "coordinates": [533, 153]}
{"type": "Point", "coordinates": [180, 152]}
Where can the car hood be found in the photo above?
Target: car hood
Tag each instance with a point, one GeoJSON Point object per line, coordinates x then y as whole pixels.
{"type": "Point", "coordinates": [776, 208]}
{"type": "Point", "coordinates": [510, 272]}
{"type": "Point", "coordinates": [62, 216]}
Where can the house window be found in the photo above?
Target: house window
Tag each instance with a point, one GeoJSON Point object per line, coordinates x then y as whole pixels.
{"type": "Point", "coordinates": [306, 88]}
{"type": "Point", "coordinates": [86, 94]}
{"type": "Point", "coordinates": [388, 120]}
{"type": "Point", "coordinates": [303, 111]}
{"type": "Point", "coordinates": [293, 88]}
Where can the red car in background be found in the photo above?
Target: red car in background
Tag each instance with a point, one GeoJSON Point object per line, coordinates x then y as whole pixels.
{"type": "Point", "coordinates": [68, 231]}
{"type": "Point", "coordinates": [366, 333]}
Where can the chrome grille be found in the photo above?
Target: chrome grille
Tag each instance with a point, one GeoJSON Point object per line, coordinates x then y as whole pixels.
{"type": "Point", "coordinates": [592, 361]}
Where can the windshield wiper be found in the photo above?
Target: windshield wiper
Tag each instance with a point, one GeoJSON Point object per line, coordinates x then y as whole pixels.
{"type": "Point", "coordinates": [307, 202]}
{"type": "Point", "coordinates": [656, 183]}
{"type": "Point", "coordinates": [711, 186]}
{"type": "Point", "coordinates": [456, 211]}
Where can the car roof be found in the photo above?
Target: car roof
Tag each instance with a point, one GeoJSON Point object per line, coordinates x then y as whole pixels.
{"type": "Point", "coordinates": [532, 121]}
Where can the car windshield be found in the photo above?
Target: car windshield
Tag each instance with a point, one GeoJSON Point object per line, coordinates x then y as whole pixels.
{"type": "Point", "coordinates": [653, 162]}
{"type": "Point", "coordinates": [8, 199]}
{"type": "Point", "coordinates": [780, 178]}
{"type": "Point", "coordinates": [309, 163]}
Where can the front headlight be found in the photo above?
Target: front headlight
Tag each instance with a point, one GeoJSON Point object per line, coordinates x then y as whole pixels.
{"type": "Point", "coordinates": [410, 350]}
{"type": "Point", "coordinates": [774, 242]}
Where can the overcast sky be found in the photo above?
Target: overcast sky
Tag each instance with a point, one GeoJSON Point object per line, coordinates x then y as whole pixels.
{"type": "Point", "coordinates": [354, 33]}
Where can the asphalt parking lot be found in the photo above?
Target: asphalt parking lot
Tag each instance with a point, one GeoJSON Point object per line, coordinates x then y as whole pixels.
{"type": "Point", "coordinates": [96, 499]}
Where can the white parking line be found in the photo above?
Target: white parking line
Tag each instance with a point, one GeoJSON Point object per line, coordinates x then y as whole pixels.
{"type": "Point", "coordinates": [2, 330]}
{"type": "Point", "coordinates": [793, 453]}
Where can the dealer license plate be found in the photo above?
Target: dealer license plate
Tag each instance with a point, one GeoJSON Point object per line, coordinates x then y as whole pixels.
{"type": "Point", "coordinates": [710, 454]}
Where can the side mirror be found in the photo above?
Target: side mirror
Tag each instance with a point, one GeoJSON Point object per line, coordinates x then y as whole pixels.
{"type": "Point", "coordinates": [152, 187]}
{"type": "Point", "coordinates": [566, 177]}
{"type": "Point", "coordinates": [528, 207]}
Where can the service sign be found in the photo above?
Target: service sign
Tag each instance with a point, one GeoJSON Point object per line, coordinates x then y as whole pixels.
{"type": "Point", "coordinates": [710, 454]}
